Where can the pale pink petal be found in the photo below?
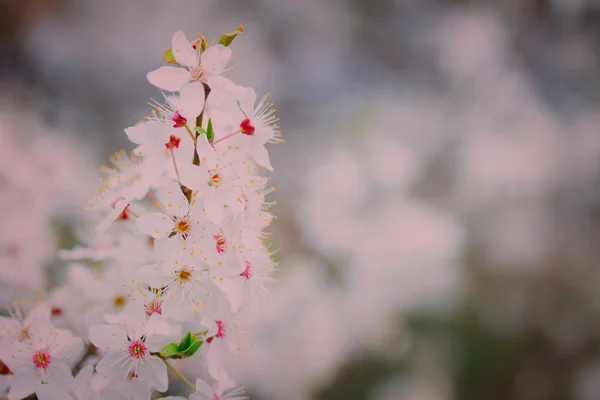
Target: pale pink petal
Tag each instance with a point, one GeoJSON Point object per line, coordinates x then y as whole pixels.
{"type": "Point", "coordinates": [136, 134]}
{"type": "Point", "coordinates": [206, 153]}
{"type": "Point", "coordinates": [23, 384]}
{"type": "Point", "coordinates": [154, 372]}
{"type": "Point", "coordinates": [157, 225]}
{"type": "Point", "coordinates": [212, 206]}
{"type": "Point", "coordinates": [260, 155]}
{"type": "Point", "coordinates": [173, 200]}
{"type": "Point", "coordinates": [183, 51]}
{"type": "Point", "coordinates": [191, 100]}
{"type": "Point", "coordinates": [113, 367]}
{"type": "Point", "coordinates": [60, 374]}
{"type": "Point", "coordinates": [203, 391]}
{"type": "Point", "coordinates": [192, 176]}
{"type": "Point", "coordinates": [51, 392]}
{"type": "Point", "coordinates": [109, 338]}
{"type": "Point", "coordinates": [169, 78]}
{"type": "Point", "coordinates": [215, 58]}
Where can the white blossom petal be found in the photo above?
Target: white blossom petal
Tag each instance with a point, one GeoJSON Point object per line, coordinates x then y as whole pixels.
{"type": "Point", "coordinates": [169, 78]}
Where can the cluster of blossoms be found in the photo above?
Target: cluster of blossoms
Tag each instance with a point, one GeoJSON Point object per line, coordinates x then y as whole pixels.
{"type": "Point", "coordinates": [177, 257]}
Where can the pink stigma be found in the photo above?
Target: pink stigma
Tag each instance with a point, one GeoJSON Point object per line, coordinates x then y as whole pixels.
{"type": "Point", "coordinates": [216, 397]}
{"type": "Point", "coordinates": [247, 127]}
{"type": "Point", "coordinates": [155, 306]}
{"type": "Point", "coordinates": [173, 142]}
{"type": "Point", "coordinates": [220, 329]}
{"type": "Point", "coordinates": [246, 273]}
{"type": "Point", "coordinates": [137, 349]}
{"type": "Point", "coordinates": [178, 120]}
{"type": "Point", "coordinates": [41, 359]}
{"type": "Point", "coordinates": [221, 243]}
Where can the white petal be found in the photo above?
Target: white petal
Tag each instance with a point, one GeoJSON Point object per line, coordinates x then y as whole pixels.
{"type": "Point", "coordinates": [213, 207]}
{"type": "Point", "coordinates": [191, 100]}
{"type": "Point", "coordinates": [203, 391]}
{"type": "Point", "coordinates": [206, 153]}
{"type": "Point", "coordinates": [192, 176]}
{"type": "Point", "coordinates": [260, 155]}
{"type": "Point", "coordinates": [183, 51]}
{"type": "Point", "coordinates": [51, 392]}
{"type": "Point", "coordinates": [157, 225]}
{"type": "Point", "coordinates": [169, 78]}
{"type": "Point", "coordinates": [112, 366]}
{"type": "Point", "coordinates": [109, 338]}
{"type": "Point", "coordinates": [60, 374]}
{"type": "Point", "coordinates": [66, 346]}
{"type": "Point", "coordinates": [136, 134]}
{"type": "Point", "coordinates": [23, 384]}
{"type": "Point", "coordinates": [215, 58]}
{"type": "Point", "coordinates": [173, 200]}
{"type": "Point", "coordinates": [154, 372]}
{"type": "Point", "coordinates": [140, 390]}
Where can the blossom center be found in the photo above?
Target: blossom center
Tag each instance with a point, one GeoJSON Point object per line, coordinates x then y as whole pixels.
{"type": "Point", "coordinates": [220, 329]}
{"type": "Point", "coordinates": [184, 274]}
{"type": "Point", "coordinates": [216, 397]}
{"type": "Point", "coordinates": [182, 226]}
{"type": "Point", "coordinates": [56, 311]}
{"type": "Point", "coordinates": [246, 274]}
{"type": "Point", "coordinates": [221, 243]}
{"type": "Point", "coordinates": [137, 349]}
{"type": "Point", "coordinates": [247, 127]}
{"type": "Point", "coordinates": [178, 121]}
{"type": "Point", "coordinates": [41, 359]}
{"type": "Point", "coordinates": [214, 180]}
{"type": "Point", "coordinates": [23, 334]}
{"type": "Point", "coordinates": [173, 142]}
{"type": "Point", "coordinates": [196, 74]}
{"type": "Point", "coordinates": [119, 301]}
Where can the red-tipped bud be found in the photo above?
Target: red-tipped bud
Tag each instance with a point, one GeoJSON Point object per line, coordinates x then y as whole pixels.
{"type": "Point", "coordinates": [179, 121]}
{"type": "Point", "coordinates": [247, 127]}
{"type": "Point", "coordinates": [173, 142]}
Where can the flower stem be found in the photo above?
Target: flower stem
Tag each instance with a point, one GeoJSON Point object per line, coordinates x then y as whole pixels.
{"type": "Point", "coordinates": [179, 374]}
{"type": "Point", "coordinates": [191, 134]}
{"type": "Point", "coordinates": [227, 137]}
{"type": "Point", "coordinates": [174, 164]}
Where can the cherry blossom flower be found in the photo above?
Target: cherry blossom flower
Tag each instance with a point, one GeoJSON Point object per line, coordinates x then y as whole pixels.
{"type": "Point", "coordinates": [42, 360]}
{"type": "Point", "coordinates": [206, 67]}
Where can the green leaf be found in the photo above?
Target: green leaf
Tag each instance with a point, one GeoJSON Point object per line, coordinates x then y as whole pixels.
{"type": "Point", "coordinates": [186, 342]}
{"type": "Point", "coordinates": [169, 350]}
{"type": "Point", "coordinates": [227, 38]}
{"type": "Point", "coordinates": [210, 133]}
{"type": "Point", "coordinates": [193, 348]}
{"type": "Point", "coordinates": [169, 57]}
{"type": "Point", "coordinates": [200, 130]}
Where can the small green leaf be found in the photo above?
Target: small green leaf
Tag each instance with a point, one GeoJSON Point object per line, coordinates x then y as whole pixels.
{"type": "Point", "coordinates": [193, 348]}
{"type": "Point", "coordinates": [169, 57]}
{"type": "Point", "coordinates": [169, 350]}
{"type": "Point", "coordinates": [200, 130]}
{"type": "Point", "coordinates": [227, 38]}
{"type": "Point", "coordinates": [210, 133]}
{"type": "Point", "coordinates": [186, 342]}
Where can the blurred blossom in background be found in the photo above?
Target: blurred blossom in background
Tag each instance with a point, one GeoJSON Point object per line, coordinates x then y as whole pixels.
{"type": "Point", "coordinates": [438, 192]}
